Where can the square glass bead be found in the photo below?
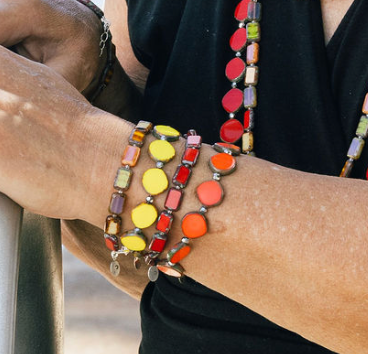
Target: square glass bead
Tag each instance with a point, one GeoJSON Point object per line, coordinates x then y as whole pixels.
{"type": "Point", "coordinates": [251, 75]}
{"type": "Point", "coordinates": [164, 222]}
{"type": "Point", "coordinates": [194, 141]}
{"type": "Point", "coordinates": [250, 97]}
{"type": "Point", "coordinates": [130, 156]}
{"type": "Point", "coordinates": [158, 242]}
{"type": "Point", "coordinates": [252, 53]}
{"type": "Point", "coordinates": [112, 242]}
{"type": "Point", "coordinates": [253, 32]}
{"type": "Point", "coordinates": [362, 129]}
{"type": "Point", "coordinates": [173, 199]}
{"type": "Point", "coordinates": [113, 225]}
{"type": "Point", "coordinates": [356, 148]}
{"type": "Point", "coordinates": [345, 172]}
{"type": "Point", "coordinates": [144, 126]}
{"type": "Point", "coordinates": [137, 138]}
{"type": "Point", "coordinates": [365, 105]}
{"type": "Point", "coordinates": [181, 176]}
{"type": "Point", "coordinates": [117, 203]}
{"type": "Point", "coordinates": [254, 11]}
{"type": "Point", "coordinates": [123, 178]}
{"type": "Point", "coordinates": [247, 142]}
{"type": "Point", "coordinates": [190, 157]}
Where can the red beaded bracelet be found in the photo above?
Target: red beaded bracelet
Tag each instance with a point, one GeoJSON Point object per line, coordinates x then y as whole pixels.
{"type": "Point", "coordinates": [210, 193]}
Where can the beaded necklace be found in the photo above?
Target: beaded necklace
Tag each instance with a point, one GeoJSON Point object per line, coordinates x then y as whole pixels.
{"type": "Point", "coordinates": [243, 69]}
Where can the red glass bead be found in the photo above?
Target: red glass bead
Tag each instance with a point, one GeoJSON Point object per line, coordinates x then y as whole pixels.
{"type": "Point", "coordinates": [231, 131]}
{"type": "Point", "coordinates": [233, 100]}
{"type": "Point", "coordinates": [241, 11]}
{"type": "Point", "coordinates": [190, 157]}
{"type": "Point", "coordinates": [173, 199]}
{"type": "Point", "coordinates": [210, 193]}
{"type": "Point", "coordinates": [235, 69]}
{"type": "Point", "coordinates": [238, 40]}
{"type": "Point", "coordinates": [248, 119]}
{"type": "Point", "coordinates": [164, 222]}
{"type": "Point", "coordinates": [158, 243]}
{"type": "Point", "coordinates": [181, 176]}
{"type": "Point", "coordinates": [112, 242]}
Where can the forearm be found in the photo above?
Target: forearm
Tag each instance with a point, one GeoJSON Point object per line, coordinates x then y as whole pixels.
{"type": "Point", "coordinates": [282, 243]}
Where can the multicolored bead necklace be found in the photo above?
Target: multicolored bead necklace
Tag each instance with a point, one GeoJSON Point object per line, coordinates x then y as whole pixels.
{"type": "Point", "coordinates": [245, 40]}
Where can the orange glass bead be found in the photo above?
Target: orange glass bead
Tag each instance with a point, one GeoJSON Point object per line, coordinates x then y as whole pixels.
{"type": "Point", "coordinates": [130, 156]}
{"type": "Point", "coordinates": [137, 138]}
{"type": "Point", "coordinates": [194, 225]}
{"type": "Point", "coordinates": [365, 105]}
{"type": "Point", "coordinates": [225, 147]}
{"type": "Point", "coordinates": [178, 252]}
{"type": "Point", "coordinates": [222, 163]}
{"type": "Point", "coordinates": [210, 193]}
{"type": "Point", "coordinates": [173, 270]}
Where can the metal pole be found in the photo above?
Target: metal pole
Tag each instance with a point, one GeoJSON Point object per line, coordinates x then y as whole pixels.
{"type": "Point", "coordinates": [10, 221]}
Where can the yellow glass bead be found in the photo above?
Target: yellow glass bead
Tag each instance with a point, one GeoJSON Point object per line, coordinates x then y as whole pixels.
{"type": "Point", "coordinates": [134, 241]}
{"type": "Point", "coordinates": [164, 132]}
{"type": "Point", "coordinates": [122, 179]}
{"type": "Point", "coordinates": [144, 215]}
{"type": "Point", "coordinates": [161, 150]}
{"type": "Point", "coordinates": [155, 181]}
{"type": "Point", "coordinates": [247, 142]}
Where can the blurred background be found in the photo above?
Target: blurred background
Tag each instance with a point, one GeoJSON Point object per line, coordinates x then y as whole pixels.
{"type": "Point", "coordinates": [99, 318]}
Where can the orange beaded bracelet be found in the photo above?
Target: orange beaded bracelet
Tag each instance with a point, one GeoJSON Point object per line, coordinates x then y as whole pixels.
{"type": "Point", "coordinates": [130, 157]}
{"type": "Point", "coordinates": [209, 193]}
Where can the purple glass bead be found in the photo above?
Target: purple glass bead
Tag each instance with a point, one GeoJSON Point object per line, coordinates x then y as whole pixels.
{"type": "Point", "coordinates": [254, 11]}
{"type": "Point", "coordinates": [117, 203]}
{"type": "Point", "coordinates": [356, 148]}
{"type": "Point", "coordinates": [250, 97]}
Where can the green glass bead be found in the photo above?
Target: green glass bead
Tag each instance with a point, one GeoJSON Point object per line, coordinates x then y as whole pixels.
{"type": "Point", "coordinates": [253, 32]}
{"type": "Point", "coordinates": [362, 129]}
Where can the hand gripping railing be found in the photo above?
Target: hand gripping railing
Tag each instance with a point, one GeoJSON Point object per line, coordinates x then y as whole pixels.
{"type": "Point", "coordinates": [32, 322]}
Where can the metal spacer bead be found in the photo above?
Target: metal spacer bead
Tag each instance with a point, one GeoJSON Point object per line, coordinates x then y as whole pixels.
{"type": "Point", "coordinates": [149, 199]}
{"type": "Point", "coordinates": [234, 85]}
{"type": "Point", "coordinates": [232, 115]}
{"type": "Point", "coordinates": [216, 177]}
{"type": "Point", "coordinates": [169, 211]}
{"type": "Point", "coordinates": [159, 164]}
{"type": "Point", "coordinates": [241, 24]}
{"type": "Point", "coordinates": [203, 210]}
{"type": "Point", "coordinates": [351, 160]}
{"type": "Point", "coordinates": [238, 54]}
{"type": "Point", "coordinates": [185, 240]}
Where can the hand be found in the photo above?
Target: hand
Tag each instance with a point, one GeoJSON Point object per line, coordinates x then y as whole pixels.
{"type": "Point", "coordinates": [63, 34]}
{"type": "Point", "coordinates": [52, 141]}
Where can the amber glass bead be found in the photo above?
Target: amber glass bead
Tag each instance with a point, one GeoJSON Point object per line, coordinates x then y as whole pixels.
{"type": "Point", "coordinates": [155, 181]}
{"type": "Point", "coordinates": [173, 270]}
{"type": "Point", "coordinates": [194, 225]}
{"type": "Point", "coordinates": [137, 138]}
{"type": "Point", "coordinates": [252, 53]}
{"type": "Point", "coordinates": [173, 199]}
{"type": "Point", "coordinates": [123, 178]}
{"type": "Point", "coordinates": [210, 193]}
{"type": "Point", "coordinates": [178, 252]}
{"type": "Point", "coordinates": [144, 215]}
{"type": "Point", "coordinates": [348, 167]}
{"type": "Point", "coordinates": [130, 156]}
{"type": "Point", "coordinates": [222, 163]}
{"type": "Point", "coordinates": [144, 126]}
{"type": "Point", "coordinates": [356, 148]}
{"type": "Point", "coordinates": [134, 241]}
{"type": "Point", "coordinates": [113, 225]}
{"type": "Point", "coordinates": [365, 105]}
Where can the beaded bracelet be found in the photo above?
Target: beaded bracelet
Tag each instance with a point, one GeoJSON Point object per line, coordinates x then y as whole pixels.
{"type": "Point", "coordinates": [173, 202]}
{"type": "Point", "coordinates": [155, 182]}
{"type": "Point", "coordinates": [210, 193]}
{"type": "Point", "coordinates": [105, 42]}
{"type": "Point", "coordinates": [130, 157]}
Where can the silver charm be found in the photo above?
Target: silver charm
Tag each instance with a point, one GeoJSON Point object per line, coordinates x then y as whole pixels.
{"type": "Point", "coordinates": [115, 268]}
{"type": "Point", "coordinates": [153, 273]}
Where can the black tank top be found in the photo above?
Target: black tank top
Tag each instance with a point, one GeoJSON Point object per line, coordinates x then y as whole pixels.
{"type": "Point", "coordinates": [310, 98]}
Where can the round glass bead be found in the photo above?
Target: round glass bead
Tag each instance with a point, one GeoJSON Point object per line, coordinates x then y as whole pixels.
{"type": "Point", "coordinates": [178, 252]}
{"type": "Point", "coordinates": [194, 225]}
{"type": "Point", "coordinates": [155, 181]}
{"type": "Point", "coordinates": [235, 70]}
{"type": "Point", "coordinates": [173, 270]}
{"type": "Point", "coordinates": [210, 193]}
{"type": "Point", "coordinates": [231, 131]}
{"type": "Point", "coordinates": [241, 11]}
{"type": "Point", "coordinates": [144, 215]}
{"type": "Point", "coordinates": [164, 132]}
{"type": "Point", "coordinates": [161, 150]}
{"type": "Point", "coordinates": [222, 163]}
{"type": "Point", "coordinates": [134, 241]}
{"type": "Point", "coordinates": [225, 147]}
{"type": "Point", "coordinates": [238, 40]}
{"type": "Point", "coordinates": [233, 100]}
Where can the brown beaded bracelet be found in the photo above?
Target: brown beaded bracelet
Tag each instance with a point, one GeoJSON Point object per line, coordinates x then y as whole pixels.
{"type": "Point", "coordinates": [113, 224]}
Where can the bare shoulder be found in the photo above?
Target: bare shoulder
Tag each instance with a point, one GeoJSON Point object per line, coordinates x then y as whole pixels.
{"type": "Point", "coordinates": [116, 12]}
